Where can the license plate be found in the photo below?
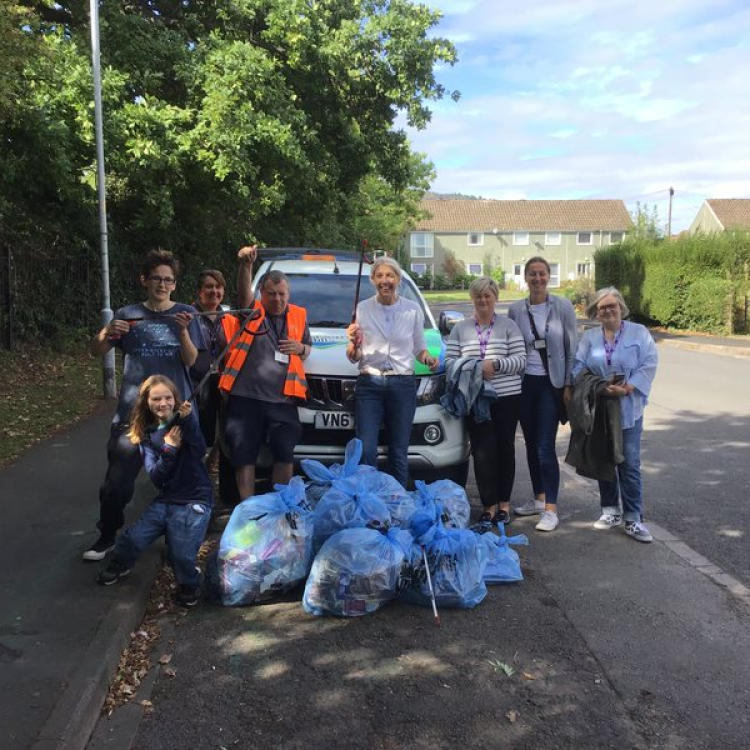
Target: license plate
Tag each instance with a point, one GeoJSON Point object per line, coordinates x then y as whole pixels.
{"type": "Point", "coordinates": [334, 420]}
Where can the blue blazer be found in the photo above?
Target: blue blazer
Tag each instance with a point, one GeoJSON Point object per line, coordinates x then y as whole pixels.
{"type": "Point", "coordinates": [561, 336]}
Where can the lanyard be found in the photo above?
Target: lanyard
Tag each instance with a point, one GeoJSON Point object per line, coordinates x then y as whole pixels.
{"type": "Point", "coordinates": [484, 335]}
{"type": "Point", "coordinates": [609, 349]}
{"type": "Point", "coordinates": [534, 331]}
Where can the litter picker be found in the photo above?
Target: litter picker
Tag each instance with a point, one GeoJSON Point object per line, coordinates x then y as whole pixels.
{"type": "Point", "coordinates": [359, 280]}
{"type": "Point", "coordinates": [254, 314]}
{"type": "Point", "coordinates": [429, 584]}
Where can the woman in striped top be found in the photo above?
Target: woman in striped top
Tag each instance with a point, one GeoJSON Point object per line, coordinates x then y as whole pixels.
{"type": "Point", "coordinates": [498, 342]}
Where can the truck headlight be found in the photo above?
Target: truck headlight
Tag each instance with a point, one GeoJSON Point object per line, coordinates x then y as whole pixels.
{"type": "Point", "coordinates": [429, 389]}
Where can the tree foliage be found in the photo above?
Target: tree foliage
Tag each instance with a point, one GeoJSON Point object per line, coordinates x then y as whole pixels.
{"type": "Point", "coordinates": [228, 121]}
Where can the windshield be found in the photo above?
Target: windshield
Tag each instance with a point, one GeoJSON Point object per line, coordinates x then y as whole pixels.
{"type": "Point", "coordinates": [329, 298]}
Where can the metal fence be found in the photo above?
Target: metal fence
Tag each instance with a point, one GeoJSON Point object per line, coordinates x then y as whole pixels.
{"type": "Point", "coordinates": [56, 297]}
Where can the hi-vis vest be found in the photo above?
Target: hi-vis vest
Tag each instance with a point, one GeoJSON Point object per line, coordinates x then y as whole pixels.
{"type": "Point", "coordinates": [295, 384]}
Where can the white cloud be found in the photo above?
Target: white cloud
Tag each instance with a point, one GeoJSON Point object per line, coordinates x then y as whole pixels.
{"type": "Point", "coordinates": [576, 98]}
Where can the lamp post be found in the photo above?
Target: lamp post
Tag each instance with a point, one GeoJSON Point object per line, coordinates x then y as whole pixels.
{"type": "Point", "coordinates": [108, 360]}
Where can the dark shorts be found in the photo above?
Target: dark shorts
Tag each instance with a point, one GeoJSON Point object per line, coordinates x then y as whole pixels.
{"type": "Point", "coordinates": [250, 423]}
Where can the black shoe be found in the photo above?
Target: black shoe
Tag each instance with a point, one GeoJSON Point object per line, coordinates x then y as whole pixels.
{"type": "Point", "coordinates": [483, 525]}
{"type": "Point", "coordinates": [502, 516]}
{"type": "Point", "coordinates": [187, 596]}
{"type": "Point", "coordinates": [100, 548]}
{"type": "Point", "coordinates": [112, 573]}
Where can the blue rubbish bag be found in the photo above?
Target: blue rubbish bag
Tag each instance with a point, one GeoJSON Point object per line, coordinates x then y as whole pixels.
{"type": "Point", "coordinates": [457, 559]}
{"type": "Point", "coordinates": [266, 548]}
{"type": "Point", "coordinates": [503, 564]}
{"type": "Point", "coordinates": [350, 503]}
{"type": "Point", "coordinates": [452, 498]}
{"type": "Point", "coordinates": [322, 477]}
{"type": "Point", "coordinates": [357, 571]}
{"type": "Point", "coordinates": [401, 503]}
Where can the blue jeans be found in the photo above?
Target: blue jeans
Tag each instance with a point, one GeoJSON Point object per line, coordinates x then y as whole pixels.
{"type": "Point", "coordinates": [539, 420]}
{"type": "Point", "coordinates": [389, 400]}
{"type": "Point", "coordinates": [627, 486]}
{"type": "Point", "coordinates": [184, 527]}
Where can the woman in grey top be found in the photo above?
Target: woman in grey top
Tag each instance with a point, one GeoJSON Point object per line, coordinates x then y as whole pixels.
{"type": "Point", "coordinates": [498, 342]}
{"type": "Point", "coordinates": [548, 325]}
{"type": "Point", "coordinates": [385, 340]}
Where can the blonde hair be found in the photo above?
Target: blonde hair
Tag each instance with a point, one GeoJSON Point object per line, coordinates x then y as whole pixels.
{"type": "Point", "coordinates": [483, 284]}
{"type": "Point", "coordinates": [141, 417]}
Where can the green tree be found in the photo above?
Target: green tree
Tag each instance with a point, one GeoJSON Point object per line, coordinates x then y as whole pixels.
{"type": "Point", "coordinates": [647, 223]}
{"type": "Point", "coordinates": [226, 121]}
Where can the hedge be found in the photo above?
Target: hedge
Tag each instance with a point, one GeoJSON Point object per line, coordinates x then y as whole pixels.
{"type": "Point", "coordinates": [698, 282]}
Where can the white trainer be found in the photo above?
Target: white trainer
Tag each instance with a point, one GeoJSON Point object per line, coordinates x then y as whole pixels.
{"type": "Point", "coordinates": [638, 531]}
{"type": "Point", "coordinates": [608, 521]}
{"type": "Point", "coordinates": [532, 508]}
{"type": "Point", "coordinates": [548, 521]}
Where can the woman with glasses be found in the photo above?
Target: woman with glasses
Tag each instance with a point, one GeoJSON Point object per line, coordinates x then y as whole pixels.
{"type": "Point", "coordinates": [548, 325]}
{"type": "Point", "coordinates": [624, 354]}
{"type": "Point", "coordinates": [156, 337]}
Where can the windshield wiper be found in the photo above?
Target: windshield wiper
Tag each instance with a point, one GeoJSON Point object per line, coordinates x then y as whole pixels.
{"type": "Point", "coordinates": [328, 324]}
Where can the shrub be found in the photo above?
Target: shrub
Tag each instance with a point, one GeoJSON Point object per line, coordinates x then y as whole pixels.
{"type": "Point", "coordinates": [579, 291]}
{"type": "Point", "coordinates": [708, 305]}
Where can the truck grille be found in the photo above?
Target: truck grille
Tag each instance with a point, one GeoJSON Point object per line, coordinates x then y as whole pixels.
{"type": "Point", "coordinates": [330, 393]}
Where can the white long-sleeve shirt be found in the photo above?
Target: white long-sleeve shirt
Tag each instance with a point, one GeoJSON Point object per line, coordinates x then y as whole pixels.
{"type": "Point", "coordinates": [392, 335]}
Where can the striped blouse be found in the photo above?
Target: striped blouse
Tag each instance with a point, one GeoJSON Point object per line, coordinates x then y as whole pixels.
{"type": "Point", "coordinates": [505, 345]}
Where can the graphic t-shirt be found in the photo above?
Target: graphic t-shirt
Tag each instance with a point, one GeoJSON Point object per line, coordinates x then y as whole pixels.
{"type": "Point", "coordinates": [152, 347]}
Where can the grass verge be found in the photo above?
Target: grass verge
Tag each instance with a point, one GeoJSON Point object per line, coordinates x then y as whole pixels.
{"type": "Point", "coordinates": [41, 391]}
{"type": "Point", "coordinates": [462, 295]}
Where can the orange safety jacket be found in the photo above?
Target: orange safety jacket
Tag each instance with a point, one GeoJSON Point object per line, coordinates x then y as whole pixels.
{"type": "Point", "coordinates": [295, 384]}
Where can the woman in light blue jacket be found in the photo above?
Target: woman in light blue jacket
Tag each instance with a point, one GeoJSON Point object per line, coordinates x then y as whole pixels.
{"type": "Point", "coordinates": [624, 353]}
{"type": "Point", "coordinates": [548, 325]}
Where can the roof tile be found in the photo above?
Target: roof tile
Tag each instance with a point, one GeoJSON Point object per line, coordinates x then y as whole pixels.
{"type": "Point", "coordinates": [457, 215]}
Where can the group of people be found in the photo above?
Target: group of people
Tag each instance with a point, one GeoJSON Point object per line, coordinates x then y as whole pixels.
{"type": "Point", "coordinates": [534, 363]}
{"type": "Point", "coordinates": [245, 370]}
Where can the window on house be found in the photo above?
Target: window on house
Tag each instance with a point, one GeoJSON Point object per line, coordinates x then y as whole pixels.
{"type": "Point", "coordinates": [420, 268]}
{"type": "Point", "coordinates": [553, 238]}
{"type": "Point", "coordinates": [615, 237]}
{"type": "Point", "coordinates": [583, 269]}
{"type": "Point", "coordinates": [474, 269]}
{"type": "Point", "coordinates": [476, 238]}
{"type": "Point", "coordinates": [422, 245]}
{"type": "Point", "coordinates": [520, 238]}
{"type": "Point", "coordinates": [554, 276]}
{"type": "Point", "coordinates": [518, 269]}
{"type": "Point", "coordinates": [585, 238]}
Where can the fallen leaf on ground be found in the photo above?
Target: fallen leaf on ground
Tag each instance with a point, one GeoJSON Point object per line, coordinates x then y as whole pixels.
{"type": "Point", "coordinates": [170, 672]}
{"type": "Point", "coordinates": [511, 716]}
{"type": "Point", "coordinates": [528, 676]}
{"type": "Point", "coordinates": [165, 658]}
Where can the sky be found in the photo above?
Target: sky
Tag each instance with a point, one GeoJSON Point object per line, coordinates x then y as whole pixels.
{"type": "Point", "coordinates": [564, 99]}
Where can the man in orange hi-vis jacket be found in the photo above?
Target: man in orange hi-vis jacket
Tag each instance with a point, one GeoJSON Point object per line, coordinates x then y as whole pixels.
{"type": "Point", "coordinates": [264, 377]}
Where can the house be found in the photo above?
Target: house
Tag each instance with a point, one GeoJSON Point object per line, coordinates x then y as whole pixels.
{"type": "Point", "coordinates": [722, 214]}
{"type": "Point", "coordinates": [507, 233]}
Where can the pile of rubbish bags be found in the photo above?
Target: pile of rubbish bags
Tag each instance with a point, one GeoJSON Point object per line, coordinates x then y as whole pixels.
{"type": "Point", "coordinates": [358, 540]}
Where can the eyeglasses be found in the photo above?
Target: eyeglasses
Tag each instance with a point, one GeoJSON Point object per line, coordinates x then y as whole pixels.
{"type": "Point", "coordinates": [607, 308]}
{"type": "Point", "coordinates": [166, 280]}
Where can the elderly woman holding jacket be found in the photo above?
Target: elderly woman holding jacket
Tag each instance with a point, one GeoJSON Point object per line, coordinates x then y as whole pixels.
{"type": "Point", "coordinates": [624, 354]}
{"type": "Point", "coordinates": [548, 325]}
{"type": "Point", "coordinates": [497, 342]}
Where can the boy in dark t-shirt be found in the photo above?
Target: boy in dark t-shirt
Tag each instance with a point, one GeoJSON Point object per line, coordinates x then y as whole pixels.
{"type": "Point", "coordinates": [157, 336]}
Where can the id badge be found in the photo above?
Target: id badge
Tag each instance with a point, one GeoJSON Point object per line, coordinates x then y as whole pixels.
{"type": "Point", "coordinates": [281, 357]}
{"type": "Point", "coordinates": [540, 344]}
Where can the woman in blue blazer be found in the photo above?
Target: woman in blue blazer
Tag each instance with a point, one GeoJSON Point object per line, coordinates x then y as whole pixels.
{"type": "Point", "coordinates": [548, 325]}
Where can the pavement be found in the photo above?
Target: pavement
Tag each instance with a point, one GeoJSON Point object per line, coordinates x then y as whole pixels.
{"type": "Point", "coordinates": [61, 634]}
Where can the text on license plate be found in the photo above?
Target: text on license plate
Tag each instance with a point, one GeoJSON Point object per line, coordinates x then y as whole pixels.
{"type": "Point", "coordinates": [334, 420]}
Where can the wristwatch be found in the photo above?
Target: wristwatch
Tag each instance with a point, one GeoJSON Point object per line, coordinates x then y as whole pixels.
{"type": "Point", "coordinates": [496, 365]}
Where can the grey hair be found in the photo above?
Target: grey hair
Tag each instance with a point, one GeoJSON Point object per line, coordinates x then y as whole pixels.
{"type": "Point", "coordinates": [275, 277]}
{"type": "Point", "coordinates": [481, 285]}
{"type": "Point", "coordinates": [391, 263]}
{"type": "Point", "coordinates": [607, 291]}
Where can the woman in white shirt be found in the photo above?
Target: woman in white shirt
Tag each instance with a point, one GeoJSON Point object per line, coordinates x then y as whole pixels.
{"type": "Point", "coordinates": [387, 337]}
